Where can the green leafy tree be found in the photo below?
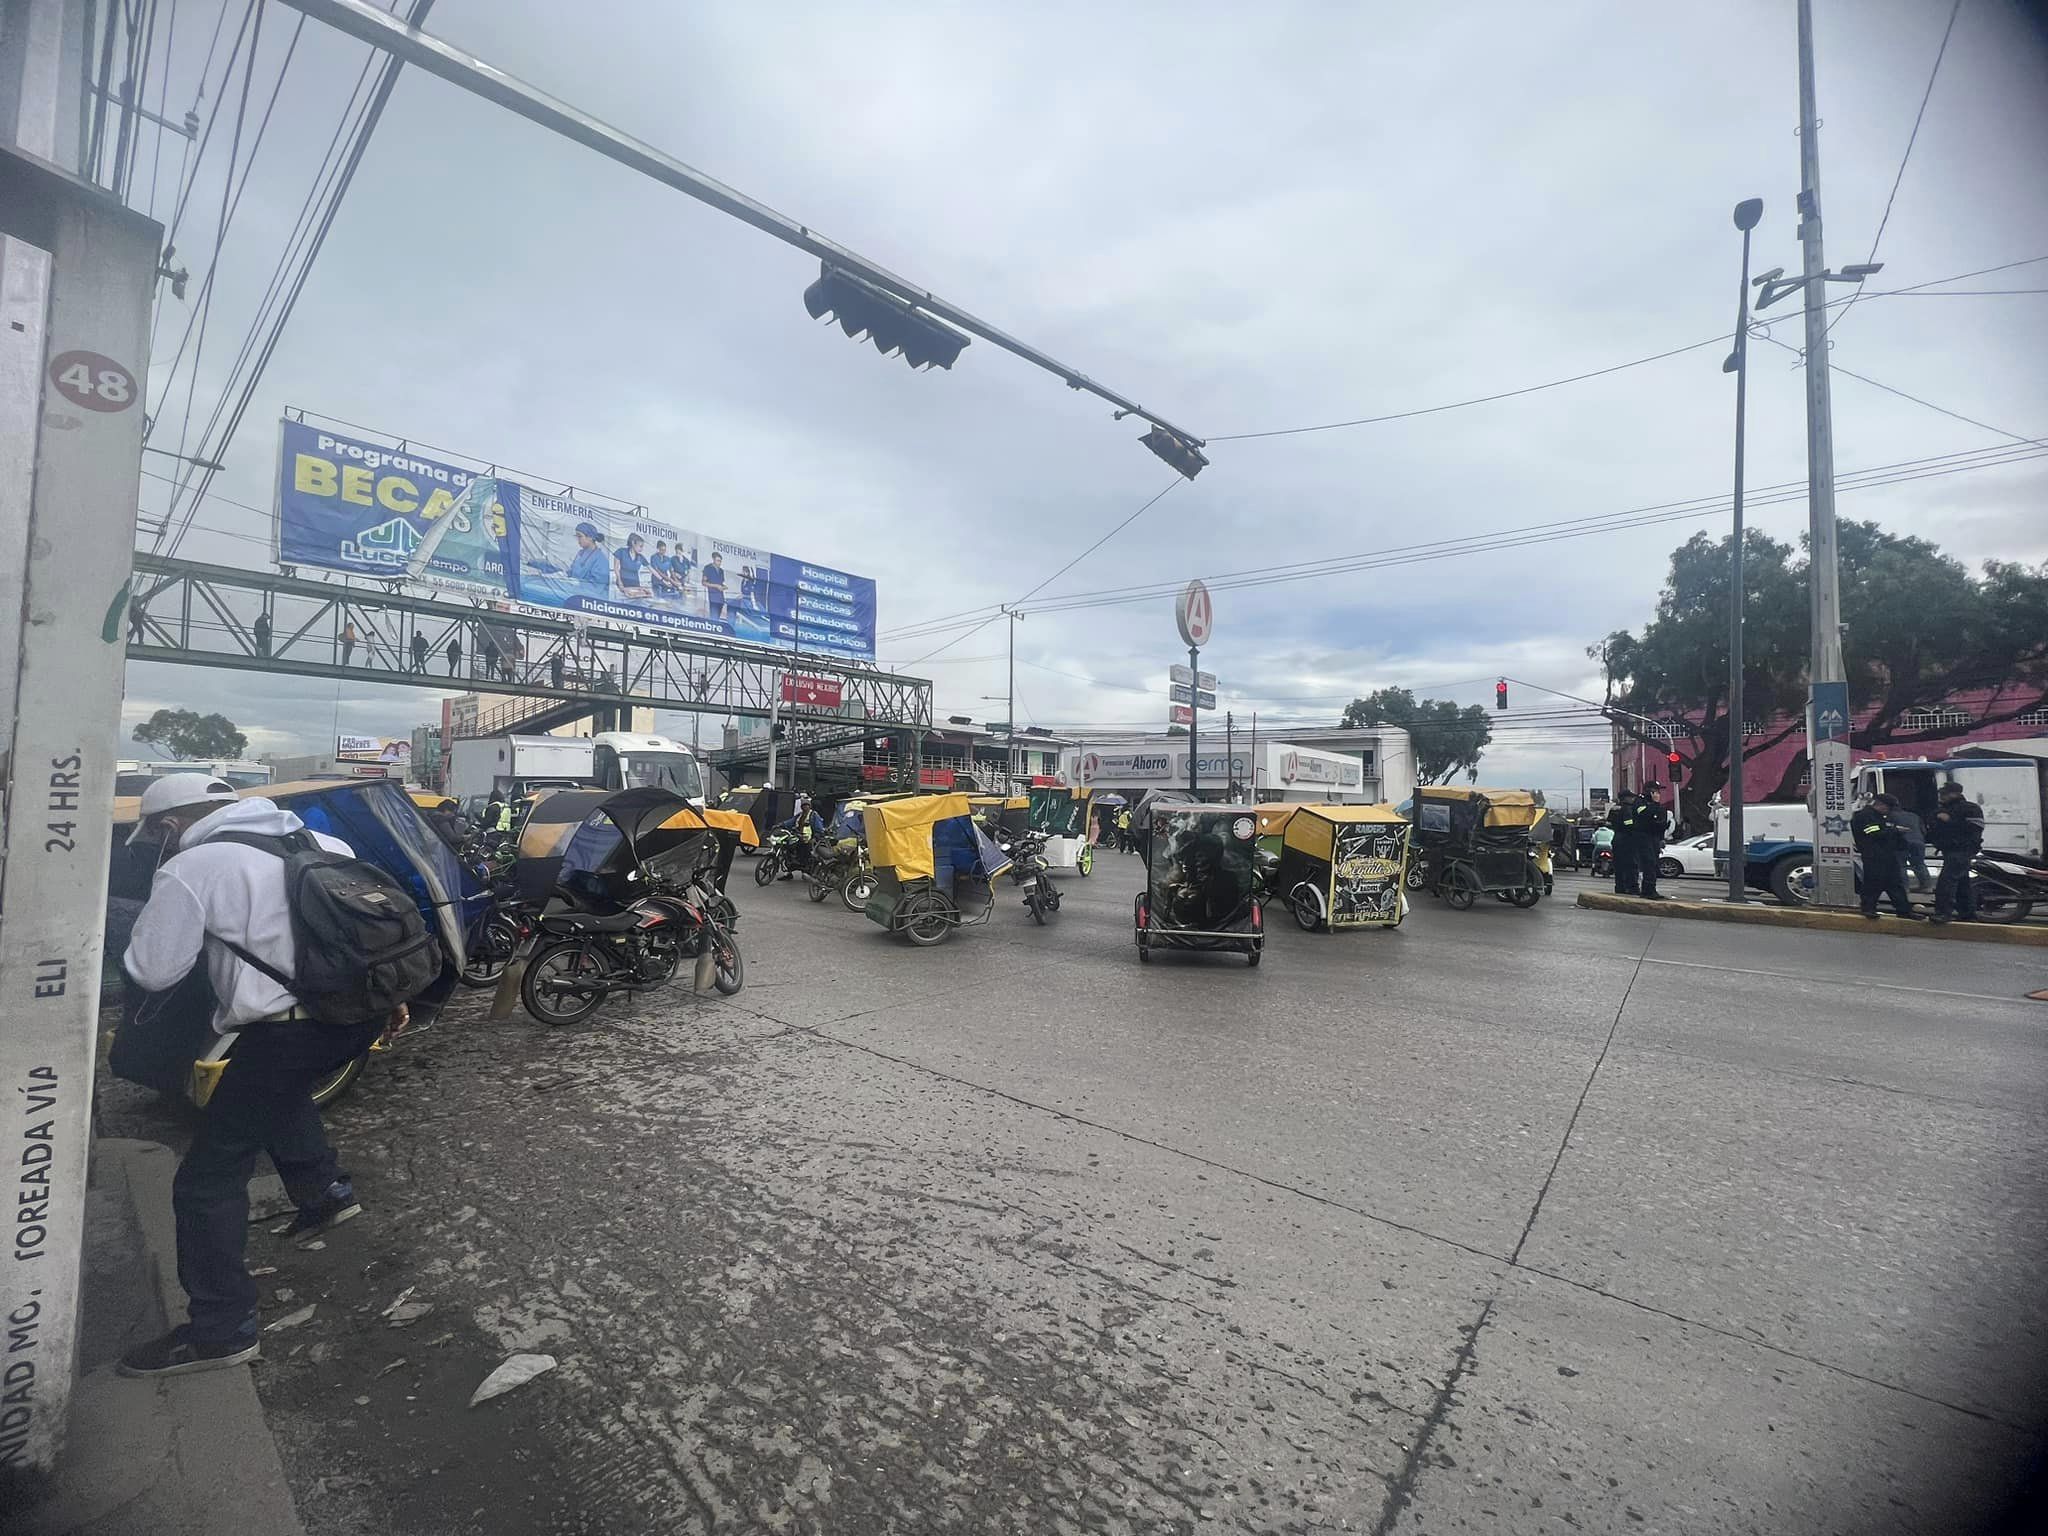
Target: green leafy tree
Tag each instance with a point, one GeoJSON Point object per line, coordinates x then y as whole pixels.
{"type": "Point", "coordinates": [186, 733]}
{"type": "Point", "coordinates": [1448, 738]}
{"type": "Point", "coordinates": [1919, 629]}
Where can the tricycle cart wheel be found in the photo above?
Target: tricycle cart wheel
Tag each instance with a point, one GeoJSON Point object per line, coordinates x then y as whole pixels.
{"type": "Point", "coordinates": [1526, 897]}
{"type": "Point", "coordinates": [1085, 861]}
{"type": "Point", "coordinates": [1308, 910]}
{"type": "Point", "coordinates": [1254, 955]}
{"type": "Point", "coordinates": [1457, 892]}
{"type": "Point", "coordinates": [927, 920]}
{"type": "Point", "coordinates": [1416, 876]}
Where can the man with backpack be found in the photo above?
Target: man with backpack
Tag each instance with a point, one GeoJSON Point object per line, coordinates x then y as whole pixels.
{"type": "Point", "coordinates": [311, 954]}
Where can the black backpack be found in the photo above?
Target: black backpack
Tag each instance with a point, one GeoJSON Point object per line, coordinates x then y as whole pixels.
{"type": "Point", "coordinates": [362, 946]}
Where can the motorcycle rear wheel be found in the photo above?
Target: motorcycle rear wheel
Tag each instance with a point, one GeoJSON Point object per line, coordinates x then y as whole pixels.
{"type": "Point", "coordinates": [547, 972]}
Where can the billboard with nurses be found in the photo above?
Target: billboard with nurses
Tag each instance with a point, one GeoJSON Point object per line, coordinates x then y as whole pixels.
{"type": "Point", "coordinates": [355, 505]}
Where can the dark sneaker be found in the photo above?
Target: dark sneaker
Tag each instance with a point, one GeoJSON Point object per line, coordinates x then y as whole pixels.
{"type": "Point", "coordinates": [339, 1206]}
{"type": "Point", "coordinates": [1871, 915]}
{"type": "Point", "coordinates": [177, 1353]}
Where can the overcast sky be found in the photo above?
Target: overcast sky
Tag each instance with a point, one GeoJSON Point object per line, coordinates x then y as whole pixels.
{"type": "Point", "coordinates": [1246, 218]}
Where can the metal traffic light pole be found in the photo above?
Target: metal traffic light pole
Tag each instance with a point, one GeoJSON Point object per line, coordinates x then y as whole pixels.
{"type": "Point", "coordinates": [363, 20]}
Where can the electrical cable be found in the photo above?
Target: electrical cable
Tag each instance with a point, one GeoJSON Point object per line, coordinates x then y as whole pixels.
{"type": "Point", "coordinates": [1656, 512]}
{"type": "Point", "coordinates": [203, 310]}
{"type": "Point", "coordinates": [1457, 405]}
{"type": "Point", "coordinates": [204, 307]}
{"type": "Point", "coordinates": [1835, 367]}
{"type": "Point", "coordinates": [206, 135]}
{"type": "Point", "coordinates": [163, 94]}
{"type": "Point", "coordinates": [1912, 138]}
{"type": "Point", "coordinates": [367, 126]}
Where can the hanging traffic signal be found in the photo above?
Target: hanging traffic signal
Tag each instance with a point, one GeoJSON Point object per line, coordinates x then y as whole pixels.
{"type": "Point", "coordinates": [1177, 451]}
{"type": "Point", "coordinates": [1500, 694]}
{"type": "Point", "coordinates": [1673, 759]}
{"type": "Point", "coordinates": [892, 325]}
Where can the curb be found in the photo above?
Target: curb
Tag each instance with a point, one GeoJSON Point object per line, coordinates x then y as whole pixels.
{"type": "Point", "coordinates": [1766, 915]}
{"type": "Point", "coordinates": [189, 1456]}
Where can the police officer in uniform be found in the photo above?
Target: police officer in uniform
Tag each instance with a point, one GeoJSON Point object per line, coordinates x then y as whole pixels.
{"type": "Point", "coordinates": [1621, 821]}
{"type": "Point", "coordinates": [1881, 846]}
{"type": "Point", "coordinates": [1958, 831]}
{"type": "Point", "coordinates": [1652, 821]}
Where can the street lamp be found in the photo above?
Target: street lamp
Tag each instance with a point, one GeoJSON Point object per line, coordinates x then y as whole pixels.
{"type": "Point", "coordinates": [1747, 214]}
{"type": "Point", "coordinates": [1570, 768]}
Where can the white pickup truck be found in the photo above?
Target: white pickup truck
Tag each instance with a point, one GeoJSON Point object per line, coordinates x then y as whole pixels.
{"type": "Point", "coordinates": [2012, 791]}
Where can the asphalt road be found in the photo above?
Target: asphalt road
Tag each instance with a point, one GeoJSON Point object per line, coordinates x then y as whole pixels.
{"type": "Point", "coordinates": [1506, 1221]}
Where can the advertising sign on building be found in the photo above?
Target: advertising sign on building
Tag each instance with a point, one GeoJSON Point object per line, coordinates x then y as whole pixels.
{"type": "Point", "coordinates": [373, 749]}
{"type": "Point", "coordinates": [1126, 767]}
{"type": "Point", "coordinates": [358, 506]}
{"type": "Point", "coordinates": [1180, 714]}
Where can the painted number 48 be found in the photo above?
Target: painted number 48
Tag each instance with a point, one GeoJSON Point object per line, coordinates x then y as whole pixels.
{"type": "Point", "coordinates": [93, 381]}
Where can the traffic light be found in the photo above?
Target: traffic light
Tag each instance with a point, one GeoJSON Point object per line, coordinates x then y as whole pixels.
{"type": "Point", "coordinates": [1177, 451]}
{"type": "Point", "coordinates": [892, 325]}
{"type": "Point", "coordinates": [1500, 694]}
{"type": "Point", "coordinates": [1674, 760]}
{"type": "Point", "coordinates": [778, 731]}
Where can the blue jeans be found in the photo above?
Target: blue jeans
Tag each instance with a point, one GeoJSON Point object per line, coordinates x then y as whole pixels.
{"type": "Point", "coordinates": [263, 1103]}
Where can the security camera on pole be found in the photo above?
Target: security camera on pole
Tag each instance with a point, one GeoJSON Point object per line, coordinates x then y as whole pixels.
{"type": "Point", "coordinates": [1195, 614]}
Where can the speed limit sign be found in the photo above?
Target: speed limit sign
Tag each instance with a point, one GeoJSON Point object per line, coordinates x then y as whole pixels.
{"type": "Point", "coordinates": [1195, 614]}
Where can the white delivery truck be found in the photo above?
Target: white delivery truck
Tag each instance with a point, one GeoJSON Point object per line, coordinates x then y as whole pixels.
{"type": "Point", "coordinates": [2013, 792]}
{"type": "Point", "coordinates": [479, 766]}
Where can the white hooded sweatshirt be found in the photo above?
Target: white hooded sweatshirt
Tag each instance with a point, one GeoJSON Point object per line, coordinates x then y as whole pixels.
{"type": "Point", "coordinates": [228, 891]}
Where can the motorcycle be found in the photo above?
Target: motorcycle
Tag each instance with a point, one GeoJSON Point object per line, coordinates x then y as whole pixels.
{"type": "Point", "coordinates": [842, 867]}
{"type": "Point", "coordinates": [2007, 885]}
{"type": "Point", "coordinates": [784, 853]}
{"type": "Point", "coordinates": [1028, 866]}
{"type": "Point", "coordinates": [586, 954]}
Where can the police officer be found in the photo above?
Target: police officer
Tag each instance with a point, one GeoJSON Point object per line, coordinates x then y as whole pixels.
{"type": "Point", "coordinates": [1958, 831]}
{"type": "Point", "coordinates": [1652, 822]}
{"type": "Point", "coordinates": [1882, 848]}
{"type": "Point", "coordinates": [1621, 821]}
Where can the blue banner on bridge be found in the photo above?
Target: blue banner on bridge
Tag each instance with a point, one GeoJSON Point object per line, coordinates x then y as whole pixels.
{"type": "Point", "coordinates": [350, 504]}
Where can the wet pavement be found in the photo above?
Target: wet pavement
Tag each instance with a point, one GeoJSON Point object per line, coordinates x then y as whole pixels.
{"type": "Point", "coordinates": [1505, 1221]}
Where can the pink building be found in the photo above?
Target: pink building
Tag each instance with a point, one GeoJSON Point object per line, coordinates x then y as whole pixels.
{"type": "Point", "coordinates": [1926, 733]}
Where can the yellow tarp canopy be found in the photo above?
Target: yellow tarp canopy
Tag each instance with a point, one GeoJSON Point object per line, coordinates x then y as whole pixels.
{"type": "Point", "coordinates": [1312, 829]}
{"type": "Point", "coordinates": [729, 821]}
{"type": "Point", "coordinates": [900, 832]}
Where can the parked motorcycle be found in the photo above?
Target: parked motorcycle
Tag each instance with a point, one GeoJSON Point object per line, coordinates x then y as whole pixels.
{"type": "Point", "coordinates": [584, 955]}
{"type": "Point", "coordinates": [2008, 885]}
{"type": "Point", "coordinates": [1028, 866]}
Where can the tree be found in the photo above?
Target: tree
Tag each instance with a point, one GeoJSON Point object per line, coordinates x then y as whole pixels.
{"type": "Point", "coordinates": [1919, 628]}
{"type": "Point", "coordinates": [188, 734]}
{"type": "Point", "coordinates": [1447, 738]}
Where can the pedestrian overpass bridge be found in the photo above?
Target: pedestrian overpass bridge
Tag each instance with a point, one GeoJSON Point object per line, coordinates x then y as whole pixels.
{"type": "Point", "coordinates": [554, 672]}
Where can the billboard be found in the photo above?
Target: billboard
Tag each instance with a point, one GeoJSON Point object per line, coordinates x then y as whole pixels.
{"type": "Point", "coordinates": [373, 749]}
{"type": "Point", "coordinates": [354, 505]}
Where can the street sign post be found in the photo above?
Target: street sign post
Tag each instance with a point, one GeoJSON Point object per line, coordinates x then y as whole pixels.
{"type": "Point", "coordinates": [1195, 615]}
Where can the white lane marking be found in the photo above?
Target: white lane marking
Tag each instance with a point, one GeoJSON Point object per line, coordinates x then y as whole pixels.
{"type": "Point", "coordinates": [1840, 981]}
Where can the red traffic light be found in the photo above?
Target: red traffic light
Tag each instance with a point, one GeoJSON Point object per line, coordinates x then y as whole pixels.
{"type": "Point", "coordinates": [1673, 759]}
{"type": "Point", "coordinates": [1500, 694]}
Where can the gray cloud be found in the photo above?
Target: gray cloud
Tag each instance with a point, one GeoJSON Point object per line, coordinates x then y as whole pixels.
{"type": "Point", "coordinates": [1267, 217]}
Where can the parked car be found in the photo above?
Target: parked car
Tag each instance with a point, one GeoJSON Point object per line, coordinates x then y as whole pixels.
{"type": "Point", "coordinates": [1687, 856]}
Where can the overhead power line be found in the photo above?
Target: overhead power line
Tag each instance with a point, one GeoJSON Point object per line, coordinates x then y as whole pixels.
{"type": "Point", "coordinates": [1535, 533]}
{"type": "Point", "coordinates": [1912, 138]}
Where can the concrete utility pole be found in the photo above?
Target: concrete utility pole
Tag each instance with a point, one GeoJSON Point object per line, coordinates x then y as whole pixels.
{"type": "Point", "coordinates": [74, 352]}
{"type": "Point", "coordinates": [1827, 710]}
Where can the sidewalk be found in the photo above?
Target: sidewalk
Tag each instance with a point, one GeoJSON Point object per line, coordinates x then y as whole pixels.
{"type": "Point", "coordinates": [190, 1456]}
{"type": "Point", "coordinates": [1771, 915]}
